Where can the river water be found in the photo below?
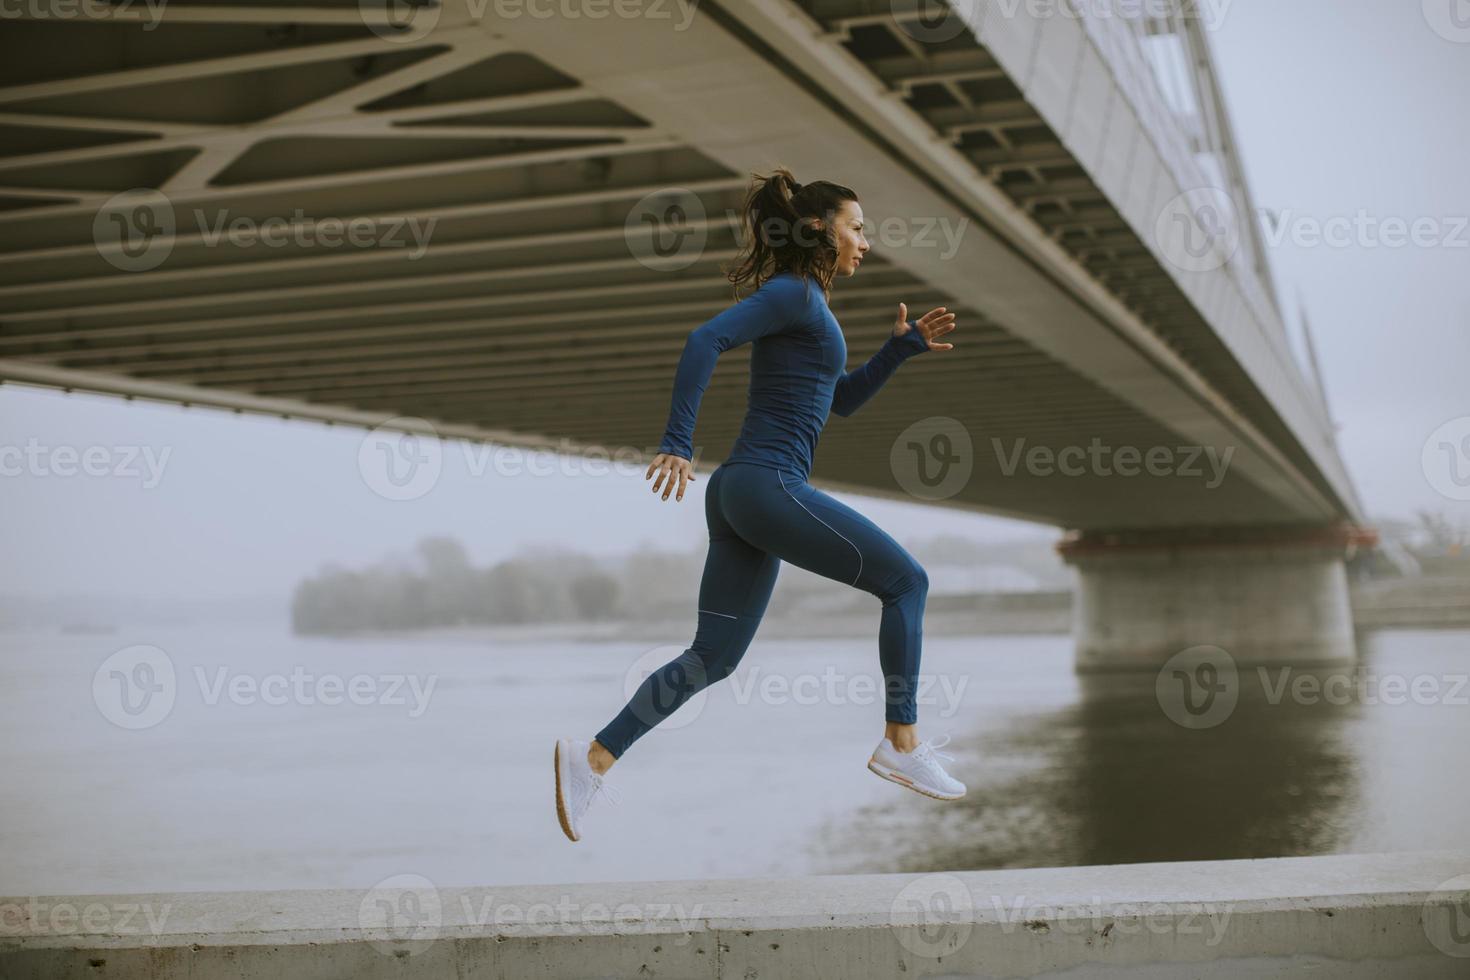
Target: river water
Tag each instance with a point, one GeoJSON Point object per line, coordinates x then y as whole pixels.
{"type": "Point", "coordinates": [247, 769]}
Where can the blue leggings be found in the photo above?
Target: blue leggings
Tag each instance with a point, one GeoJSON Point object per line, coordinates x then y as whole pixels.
{"type": "Point", "coordinates": [758, 516]}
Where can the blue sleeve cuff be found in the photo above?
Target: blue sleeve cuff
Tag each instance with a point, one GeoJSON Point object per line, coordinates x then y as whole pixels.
{"type": "Point", "coordinates": [912, 342]}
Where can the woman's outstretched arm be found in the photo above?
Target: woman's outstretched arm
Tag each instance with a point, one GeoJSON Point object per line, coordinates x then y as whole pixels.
{"type": "Point", "coordinates": [862, 383]}
{"type": "Point", "coordinates": [774, 307]}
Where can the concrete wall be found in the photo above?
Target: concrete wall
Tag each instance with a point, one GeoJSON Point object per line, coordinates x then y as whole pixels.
{"type": "Point", "coordinates": [1261, 605]}
{"type": "Point", "coordinates": [1346, 916]}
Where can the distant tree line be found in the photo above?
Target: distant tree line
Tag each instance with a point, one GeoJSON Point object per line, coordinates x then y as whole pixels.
{"type": "Point", "coordinates": [437, 586]}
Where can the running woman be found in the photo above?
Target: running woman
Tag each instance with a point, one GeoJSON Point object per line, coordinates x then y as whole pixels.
{"type": "Point", "coordinates": [759, 506]}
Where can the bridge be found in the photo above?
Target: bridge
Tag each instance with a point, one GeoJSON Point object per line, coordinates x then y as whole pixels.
{"type": "Point", "coordinates": [499, 221]}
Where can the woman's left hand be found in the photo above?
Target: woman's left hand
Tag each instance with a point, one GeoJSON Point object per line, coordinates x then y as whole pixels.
{"type": "Point", "coordinates": [935, 323]}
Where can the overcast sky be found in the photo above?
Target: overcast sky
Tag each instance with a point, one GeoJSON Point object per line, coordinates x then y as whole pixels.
{"type": "Point", "coordinates": [1340, 108]}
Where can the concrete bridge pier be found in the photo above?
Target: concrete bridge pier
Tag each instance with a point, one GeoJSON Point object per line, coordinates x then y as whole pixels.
{"type": "Point", "coordinates": [1265, 595]}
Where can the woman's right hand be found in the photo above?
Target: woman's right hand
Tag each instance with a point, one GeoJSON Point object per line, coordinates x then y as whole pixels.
{"type": "Point", "coordinates": [669, 467]}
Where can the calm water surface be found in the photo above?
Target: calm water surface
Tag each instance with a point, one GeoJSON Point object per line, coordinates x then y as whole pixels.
{"type": "Point", "coordinates": [454, 782]}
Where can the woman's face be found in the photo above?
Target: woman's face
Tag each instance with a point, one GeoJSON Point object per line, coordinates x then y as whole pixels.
{"type": "Point", "coordinates": [852, 244]}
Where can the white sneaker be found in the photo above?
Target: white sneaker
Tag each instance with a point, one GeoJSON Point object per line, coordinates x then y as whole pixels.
{"type": "Point", "coordinates": [919, 770]}
{"type": "Point", "coordinates": [576, 784]}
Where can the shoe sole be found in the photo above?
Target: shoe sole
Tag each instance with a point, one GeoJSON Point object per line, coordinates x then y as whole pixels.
{"type": "Point", "coordinates": [894, 776]}
{"type": "Point", "coordinates": [561, 803]}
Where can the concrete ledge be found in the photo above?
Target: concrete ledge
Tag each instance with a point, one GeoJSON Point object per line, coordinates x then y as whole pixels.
{"type": "Point", "coordinates": [1346, 916]}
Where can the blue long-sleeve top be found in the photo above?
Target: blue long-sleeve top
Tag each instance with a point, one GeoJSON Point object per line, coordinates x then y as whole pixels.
{"type": "Point", "coordinates": [796, 373]}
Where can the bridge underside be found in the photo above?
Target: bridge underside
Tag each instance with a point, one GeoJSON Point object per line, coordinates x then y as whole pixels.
{"type": "Point", "coordinates": [500, 284]}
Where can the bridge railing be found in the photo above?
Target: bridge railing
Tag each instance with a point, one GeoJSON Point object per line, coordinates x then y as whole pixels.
{"type": "Point", "coordinates": [1089, 78]}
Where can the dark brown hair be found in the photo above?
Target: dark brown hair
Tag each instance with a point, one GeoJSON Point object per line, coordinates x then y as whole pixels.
{"type": "Point", "coordinates": [779, 227]}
